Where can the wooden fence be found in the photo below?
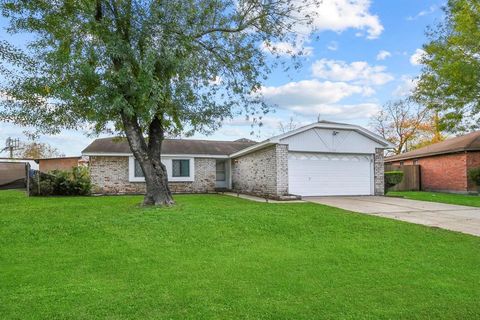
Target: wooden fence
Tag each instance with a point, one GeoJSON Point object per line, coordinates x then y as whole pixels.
{"type": "Point", "coordinates": [411, 177]}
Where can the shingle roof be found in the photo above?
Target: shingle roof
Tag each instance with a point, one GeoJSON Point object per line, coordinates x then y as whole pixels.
{"type": "Point", "coordinates": [468, 142]}
{"type": "Point", "coordinates": [171, 146]}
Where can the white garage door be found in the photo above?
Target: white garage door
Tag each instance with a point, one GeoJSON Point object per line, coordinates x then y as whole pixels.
{"type": "Point", "coordinates": [321, 174]}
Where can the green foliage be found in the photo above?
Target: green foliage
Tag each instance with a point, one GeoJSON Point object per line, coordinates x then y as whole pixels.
{"type": "Point", "coordinates": [451, 73]}
{"type": "Point", "coordinates": [62, 183]}
{"type": "Point", "coordinates": [392, 178]}
{"type": "Point", "coordinates": [474, 175]}
{"type": "Point", "coordinates": [191, 64]}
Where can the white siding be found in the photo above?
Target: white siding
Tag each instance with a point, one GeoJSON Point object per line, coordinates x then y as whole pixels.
{"type": "Point", "coordinates": [331, 141]}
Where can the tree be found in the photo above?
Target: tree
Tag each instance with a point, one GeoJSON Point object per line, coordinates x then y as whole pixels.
{"type": "Point", "coordinates": [145, 68]}
{"type": "Point", "coordinates": [37, 150]}
{"type": "Point", "coordinates": [429, 132]}
{"type": "Point", "coordinates": [400, 122]}
{"type": "Point", "coordinates": [450, 78]}
{"type": "Point", "coordinates": [288, 126]}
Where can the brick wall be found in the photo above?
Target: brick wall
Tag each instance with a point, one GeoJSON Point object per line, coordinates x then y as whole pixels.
{"type": "Point", "coordinates": [379, 173]}
{"type": "Point", "coordinates": [46, 165]}
{"type": "Point", "coordinates": [109, 175]}
{"type": "Point", "coordinates": [443, 172]}
{"type": "Point", "coordinates": [263, 172]}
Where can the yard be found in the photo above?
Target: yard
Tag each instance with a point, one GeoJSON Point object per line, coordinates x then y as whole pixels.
{"type": "Point", "coordinates": [222, 257]}
{"type": "Point", "coordinates": [460, 199]}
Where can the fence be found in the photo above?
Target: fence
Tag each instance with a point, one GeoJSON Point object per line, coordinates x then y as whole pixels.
{"type": "Point", "coordinates": [13, 175]}
{"type": "Point", "coordinates": [411, 177]}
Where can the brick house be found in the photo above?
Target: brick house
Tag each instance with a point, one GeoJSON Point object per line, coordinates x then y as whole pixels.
{"type": "Point", "coordinates": [444, 166]}
{"type": "Point", "coordinates": [323, 158]}
{"type": "Point", "coordinates": [61, 163]}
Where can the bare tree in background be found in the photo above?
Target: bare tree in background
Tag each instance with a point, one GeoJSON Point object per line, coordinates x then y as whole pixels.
{"type": "Point", "coordinates": [289, 125]}
{"type": "Point", "coordinates": [400, 122]}
{"type": "Point", "coordinates": [37, 150]}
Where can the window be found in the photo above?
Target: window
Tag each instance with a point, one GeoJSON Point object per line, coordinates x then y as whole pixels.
{"type": "Point", "coordinates": [220, 170]}
{"type": "Point", "coordinates": [180, 168]}
{"type": "Point", "coordinates": [138, 172]}
{"type": "Point", "coordinates": [401, 163]}
{"type": "Point", "coordinates": [415, 162]}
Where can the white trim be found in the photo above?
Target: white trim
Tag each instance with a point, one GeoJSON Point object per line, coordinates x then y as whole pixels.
{"type": "Point", "coordinates": [323, 125]}
{"type": "Point", "coordinates": [326, 125]}
{"type": "Point", "coordinates": [253, 148]}
{"type": "Point", "coordinates": [167, 161]}
{"type": "Point", "coordinates": [131, 171]}
{"type": "Point", "coordinates": [191, 163]}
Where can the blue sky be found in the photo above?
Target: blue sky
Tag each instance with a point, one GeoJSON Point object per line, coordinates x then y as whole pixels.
{"type": "Point", "coordinates": [365, 55]}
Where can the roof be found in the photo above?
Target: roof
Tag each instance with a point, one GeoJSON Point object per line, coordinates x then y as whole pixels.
{"type": "Point", "coordinates": [468, 142]}
{"type": "Point", "coordinates": [320, 124]}
{"type": "Point", "coordinates": [170, 146]}
{"type": "Point", "coordinates": [59, 158]}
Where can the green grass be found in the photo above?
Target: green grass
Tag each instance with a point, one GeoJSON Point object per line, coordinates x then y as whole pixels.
{"type": "Point", "coordinates": [461, 199]}
{"type": "Point", "coordinates": [221, 257]}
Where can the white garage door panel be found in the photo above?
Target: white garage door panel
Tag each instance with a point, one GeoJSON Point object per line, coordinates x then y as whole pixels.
{"type": "Point", "coordinates": [319, 174]}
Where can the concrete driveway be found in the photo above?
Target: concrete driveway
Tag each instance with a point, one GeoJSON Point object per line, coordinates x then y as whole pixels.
{"type": "Point", "coordinates": [446, 216]}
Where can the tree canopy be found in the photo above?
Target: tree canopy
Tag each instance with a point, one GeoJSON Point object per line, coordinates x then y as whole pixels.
{"type": "Point", "coordinates": [193, 63]}
{"type": "Point", "coordinates": [146, 67]}
{"type": "Point", "coordinates": [37, 150]}
{"type": "Point", "coordinates": [450, 80]}
{"type": "Point", "coordinates": [407, 125]}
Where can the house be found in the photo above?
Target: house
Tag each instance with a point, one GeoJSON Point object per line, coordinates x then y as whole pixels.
{"type": "Point", "coordinates": [320, 159]}
{"type": "Point", "coordinates": [61, 163]}
{"type": "Point", "coordinates": [444, 166]}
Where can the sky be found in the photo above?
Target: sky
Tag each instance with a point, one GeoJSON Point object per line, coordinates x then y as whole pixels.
{"type": "Point", "coordinates": [365, 53]}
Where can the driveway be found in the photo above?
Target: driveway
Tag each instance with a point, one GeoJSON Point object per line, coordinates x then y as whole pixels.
{"type": "Point", "coordinates": [446, 216]}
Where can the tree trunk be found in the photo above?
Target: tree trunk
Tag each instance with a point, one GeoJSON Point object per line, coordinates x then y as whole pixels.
{"type": "Point", "coordinates": [149, 157]}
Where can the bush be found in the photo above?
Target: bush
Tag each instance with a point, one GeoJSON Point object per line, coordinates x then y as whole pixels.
{"type": "Point", "coordinates": [474, 175]}
{"type": "Point", "coordinates": [75, 182]}
{"type": "Point", "coordinates": [392, 178]}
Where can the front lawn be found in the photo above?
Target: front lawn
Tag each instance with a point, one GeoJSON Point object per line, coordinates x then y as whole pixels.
{"type": "Point", "coordinates": [222, 257]}
{"type": "Point", "coordinates": [461, 199]}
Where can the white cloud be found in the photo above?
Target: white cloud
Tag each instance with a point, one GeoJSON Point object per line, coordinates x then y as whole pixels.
{"type": "Point", "coordinates": [332, 46]}
{"type": "Point", "coordinates": [406, 87]}
{"type": "Point", "coordinates": [340, 15]}
{"type": "Point", "coordinates": [287, 49]}
{"type": "Point", "coordinates": [314, 97]}
{"type": "Point", "coordinates": [383, 54]}
{"type": "Point", "coordinates": [359, 72]}
{"type": "Point", "coordinates": [339, 112]}
{"type": "Point", "coordinates": [423, 13]}
{"type": "Point", "coordinates": [416, 58]}
{"type": "Point", "coordinates": [309, 93]}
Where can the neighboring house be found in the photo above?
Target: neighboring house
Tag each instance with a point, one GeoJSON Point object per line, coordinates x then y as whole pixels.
{"type": "Point", "coordinates": [61, 163]}
{"type": "Point", "coordinates": [323, 158]}
{"type": "Point", "coordinates": [444, 166]}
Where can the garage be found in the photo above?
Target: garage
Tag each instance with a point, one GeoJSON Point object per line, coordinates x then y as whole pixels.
{"type": "Point", "coordinates": [328, 174]}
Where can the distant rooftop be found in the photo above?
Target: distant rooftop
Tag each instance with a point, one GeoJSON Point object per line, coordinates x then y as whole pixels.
{"type": "Point", "coordinates": [468, 142]}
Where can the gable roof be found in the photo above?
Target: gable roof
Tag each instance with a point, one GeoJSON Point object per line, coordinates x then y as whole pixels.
{"type": "Point", "coordinates": [468, 142]}
{"type": "Point", "coordinates": [320, 124]}
{"type": "Point", "coordinates": [119, 146]}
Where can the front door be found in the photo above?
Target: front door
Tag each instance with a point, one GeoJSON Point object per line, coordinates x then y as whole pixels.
{"type": "Point", "coordinates": [221, 174]}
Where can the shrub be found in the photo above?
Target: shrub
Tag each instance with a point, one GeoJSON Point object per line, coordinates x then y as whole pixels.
{"type": "Point", "coordinates": [474, 175]}
{"type": "Point", "coordinates": [61, 183]}
{"type": "Point", "coordinates": [392, 178]}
